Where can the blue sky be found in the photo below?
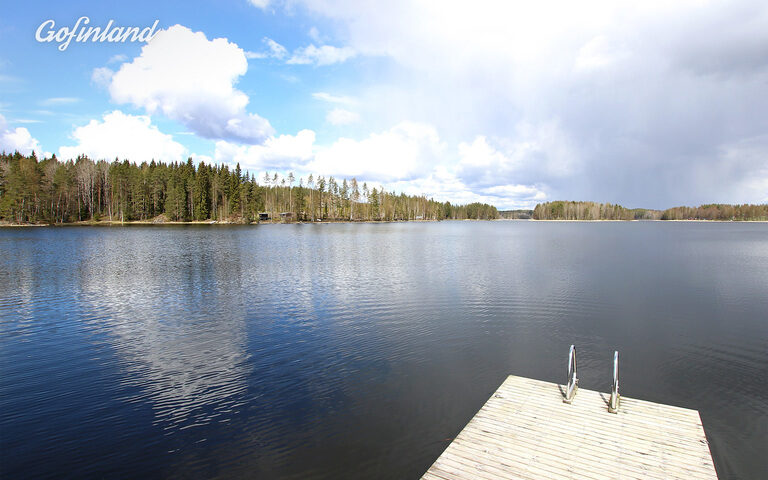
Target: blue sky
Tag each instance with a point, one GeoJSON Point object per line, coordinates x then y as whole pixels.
{"type": "Point", "coordinates": [510, 103]}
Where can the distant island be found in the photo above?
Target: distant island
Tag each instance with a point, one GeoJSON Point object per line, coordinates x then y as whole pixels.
{"type": "Point", "coordinates": [50, 191]}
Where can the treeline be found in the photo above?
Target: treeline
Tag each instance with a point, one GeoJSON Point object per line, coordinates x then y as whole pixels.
{"type": "Point", "coordinates": [52, 191]}
{"type": "Point", "coordinates": [560, 210]}
{"type": "Point", "coordinates": [717, 211]}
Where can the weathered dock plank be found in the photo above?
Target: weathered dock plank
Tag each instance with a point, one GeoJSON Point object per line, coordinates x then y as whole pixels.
{"type": "Point", "coordinates": [526, 431]}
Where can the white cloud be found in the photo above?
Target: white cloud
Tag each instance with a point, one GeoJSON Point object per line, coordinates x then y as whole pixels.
{"type": "Point", "coordinates": [201, 158]}
{"type": "Point", "coordinates": [102, 76]}
{"type": "Point", "coordinates": [479, 154]}
{"type": "Point", "coordinates": [539, 153]}
{"type": "Point", "coordinates": [54, 101]}
{"type": "Point", "coordinates": [432, 32]}
{"type": "Point", "coordinates": [339, 116]}
{"type": "Point", "coordinates": [282, 152]}
{"type": "Point", "coordinates": [598, 53]}
{"type": "Point", "coordinates": [322, 55]}
{"type": "Point", "coordinates": [327, 97]}
{"type": "Point", "coordinates": [17, 139]}
{"type": "Point", "coordinates": [406, 151]}
{"type": "Point", "coordinates": [531, 194]}
{"type": "Point", "coordinates": [130, 137]}
{"type": "Point", "coordinates": [275, 50]}
{"type": "Point", "coordinates": [191, 79]}
{"type": "Point", "coordinates": [260, 3]}
{"type": "Point", "coordinates": [444, 186]}
{"type": "Point", "coordinates": [119, 58]}
{"type": "Point", "coordinates": [314, 34]}
{"type": "Point", "coordinates": [289, 78]}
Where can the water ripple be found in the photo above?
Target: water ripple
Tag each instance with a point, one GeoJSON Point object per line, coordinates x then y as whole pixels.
{"type": "Point", "coordinates": [307, 351]}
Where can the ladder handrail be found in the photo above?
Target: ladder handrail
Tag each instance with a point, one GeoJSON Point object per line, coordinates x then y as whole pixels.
{"type": "Point", "coordinates": [614, 404]}
{"type": "Point", "coordinates": [572, 380]}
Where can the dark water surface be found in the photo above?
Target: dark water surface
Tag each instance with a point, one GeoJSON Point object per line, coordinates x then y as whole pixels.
{"type": "Point", "coordinates": [314, 351]}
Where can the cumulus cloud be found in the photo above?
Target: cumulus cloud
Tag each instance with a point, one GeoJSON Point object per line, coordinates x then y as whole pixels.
{"type": "Point", "coordinates": [444, 185]}
{"type": "Point", "coordinates": [322, 55]}
{"type": "Point", "coordinates": [339, 116]}
{"type": "Point", "coordinates": [281, 152]}
{"type": "Point", "coordinates": [406, 151]}
{"type": "Point", "coordinates": [131, 137]}
{"type": "Point", "coordinates": [188, 78]}
{"type": "Point", "coordinates": [17, 139]}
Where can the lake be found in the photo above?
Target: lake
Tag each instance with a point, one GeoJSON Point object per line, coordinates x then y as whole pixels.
{"type": "Point", "coordinates": [360, 350]}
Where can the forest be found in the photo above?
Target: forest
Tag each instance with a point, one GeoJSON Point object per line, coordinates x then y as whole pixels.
{"type": "Point", "coordinates": [56, 192]}
{"type": "Point", "coordinates": [560, 210]}
{"type": "Point", "coordinates": [717, 211]}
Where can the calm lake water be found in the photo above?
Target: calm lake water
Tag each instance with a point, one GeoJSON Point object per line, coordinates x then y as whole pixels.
{"type": "Point", "coordinates": [315, 351]}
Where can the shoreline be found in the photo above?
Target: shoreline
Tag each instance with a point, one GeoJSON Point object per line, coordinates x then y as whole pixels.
{"type": "Point", "coordinates": [115, 223]}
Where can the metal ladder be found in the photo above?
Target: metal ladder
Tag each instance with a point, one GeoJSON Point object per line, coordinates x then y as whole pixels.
{"type": "Point", "coordinates": [613, 406]}
{"type": "Point", "coordinates": [572, 381]}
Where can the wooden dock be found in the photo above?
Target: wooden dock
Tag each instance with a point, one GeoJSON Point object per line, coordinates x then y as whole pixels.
{"type": "Point", "coordinates": [526, 431]}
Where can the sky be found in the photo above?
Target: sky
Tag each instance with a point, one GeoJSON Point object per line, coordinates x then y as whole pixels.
{"type": "Point", "coordinates": [647, 104]}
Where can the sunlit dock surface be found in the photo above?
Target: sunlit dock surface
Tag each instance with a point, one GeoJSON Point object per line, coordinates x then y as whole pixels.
{"type": "Point", "coordinates": [526, 431]}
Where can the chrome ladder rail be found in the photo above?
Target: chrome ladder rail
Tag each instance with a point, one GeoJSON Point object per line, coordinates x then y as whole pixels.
{"type": "Point", "coordinates": [572, 381]}
{"type": "Point", "coordinates": [613, 407]}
